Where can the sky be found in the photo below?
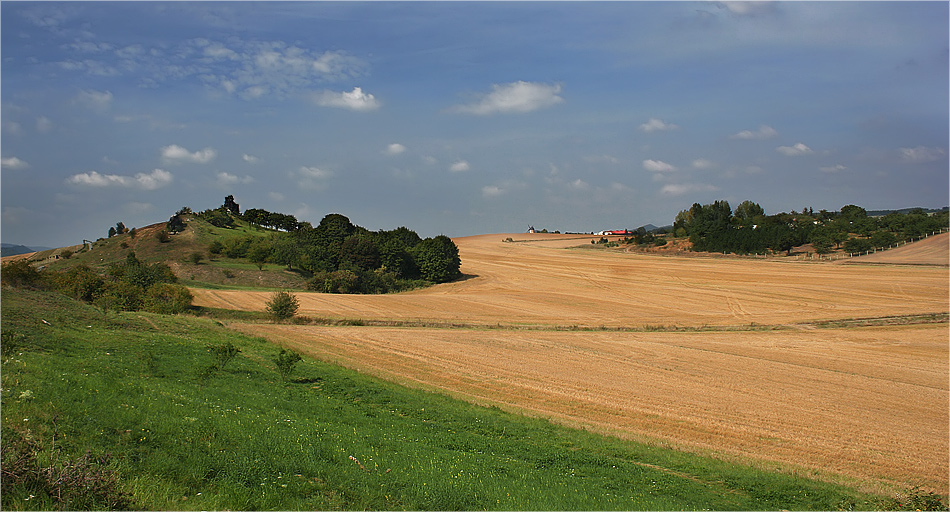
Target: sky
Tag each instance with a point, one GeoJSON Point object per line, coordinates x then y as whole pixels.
{"type": "Point", "coordinates": [465, 118]}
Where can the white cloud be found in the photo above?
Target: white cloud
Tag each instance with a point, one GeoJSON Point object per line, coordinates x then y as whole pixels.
{"type": "Point", "coordinates": [43, 124]}
{"type": "Point", "coordinates": [517, 97]}
{"type": "Point", "coordinates": [315, 173]}
{"type": "Point", "coordinates": [395, 149]}
{"type": "Point", "coordinates": [764, 132]}
{"type": "Point", "coordinates": [253, 92]}
{"type": "Point", "coordinates": [13, 163]}
{"type": "Point", "coordinates": [749, 8]}
{"type": "Point", "coordinates": [177, 154]}
{"type": "Point", "coordinates": [658, 166]}
{"type": "Point", "coordinates": [702, 163]}
{"type": "Point", "coordinates": [11, 127]}
{"type": "Point", "coordinates": [353, 100]}
{"type": "Point", "coordinates": [796, 150]}
{"type": "Point", "coordinates": [922, 154]}
{"type": "Point", "coordinates": [313, 178]}
{"type": "Point", "coordinates": [492, 191]}
{"type": "Point", "coordinates": [832, 169]}
{"type": "Point", "coordinates": [686, 188]}
{"type": "Point", "coordinates": [251, 159]}
{"type": "Point", "coordinates": [156, 179]}
{"type": "Point", "coordinates": [96, 100]}
{"type": "Point", "coordinates": [656, 125]}
{"type": "Point", "coordinates": [579, 184]}
{"type": "Point", "coordinates": [460, 166]}
{"type": "Point", "coordinates": [275, 196]}
{"type": "Point", "coordinates": [227, 179]}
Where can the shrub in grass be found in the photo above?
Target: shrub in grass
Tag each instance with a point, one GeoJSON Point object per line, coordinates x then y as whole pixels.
{"type": "Point", "coordinates": [283, 305]}
{"type": "Point", "coordinates": [20, 274]}
{"type": "Point", "coordinates": [167, 299]}
{"type": "Point", "coordinates": [196, 257]}
{"type": "Point", "coordinates": [84, 483]}
{"type": "Point", "coordinates": [286, 360]}
{"type": "Point", "coordinates": [915, 499]}
{"type": "Point", "coordinates": [223, 354]}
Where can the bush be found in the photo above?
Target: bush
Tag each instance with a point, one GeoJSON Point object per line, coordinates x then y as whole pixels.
{"type": "Point", "coordinates": [286, 360]}
{"type": "Point", "coordinates": [85, 483]}
{"type": "Point", "coordinates": [283, 305]}
{"type": "Point", "coordinates": [163, 236]}
{"type": "Point", "coordinates": [120, 296]}
{"type": "Point", "coordinates": [196, 257]}
{"type": "Point", "coordinates": [915, 499]}
{"type": "Point", "coordinates": [20, 274]}
{"type": "Point", "coordinates": [223, 354]}
{"type": "Point", "coordinates": [167, 299]}
{"type": "Point", "coordinates": [80, 283]}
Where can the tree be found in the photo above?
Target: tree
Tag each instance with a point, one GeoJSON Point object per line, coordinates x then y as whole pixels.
{"type": "Point", "coordinates": [361, 252]}
{"type": "Point", "coordinates": [111, 231]}
{"type": "Point", "coordinates": [438, 259]}
{"type": "Point", "coordinates": [283, 305]}
{"type": "Point", "coordinates": [286, 360]}
{"type": "Point", "coordinates": [284, 251]}
{"type": "Point", "coordinates": [259, 252]}
{"type": "Point", "coordinates": [120, 228]}
{"type": "Point", "coordinates": [747, 211]}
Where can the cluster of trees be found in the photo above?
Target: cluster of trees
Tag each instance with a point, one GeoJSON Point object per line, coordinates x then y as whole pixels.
{"type": "Point", "coordinates": [128, 286]}
{"type": "Point", "coordinates": [118, 229]}
{"type": "Point", "coordinates": [264, 218]}
{"type": "Point", "coordinates": [717, 228]}
{"type": "Point", "coordinates": [341, 257]}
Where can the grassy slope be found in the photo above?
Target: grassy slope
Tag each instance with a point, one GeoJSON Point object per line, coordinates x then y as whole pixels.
{"type": "Point", "coordinates": [221, 272]}
{"type": "Point", "coordinates": [130, 384]}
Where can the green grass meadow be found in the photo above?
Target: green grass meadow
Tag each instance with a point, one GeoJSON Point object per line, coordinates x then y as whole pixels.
{"type": "Point", "coordinates": [181, 435]}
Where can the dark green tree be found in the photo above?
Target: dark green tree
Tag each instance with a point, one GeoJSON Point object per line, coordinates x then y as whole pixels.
{"type": "Point", "coordinates": [283, 305]}
{"type": "Point", "coordinates": [438, 259]}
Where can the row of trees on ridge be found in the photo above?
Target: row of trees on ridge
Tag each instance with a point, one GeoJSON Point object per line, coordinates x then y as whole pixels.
{"type": "Point", "coordinates": [716, 227]}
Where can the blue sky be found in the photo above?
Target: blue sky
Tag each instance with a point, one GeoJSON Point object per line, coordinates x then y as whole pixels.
{"type": "Point", "coordinates": [466, 118]}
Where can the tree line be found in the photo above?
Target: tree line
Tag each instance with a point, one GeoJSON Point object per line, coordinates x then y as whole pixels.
{"type": "Point", "coordinates": [340, 256]}
{"type": "Point", "coordinates": [716, 227]}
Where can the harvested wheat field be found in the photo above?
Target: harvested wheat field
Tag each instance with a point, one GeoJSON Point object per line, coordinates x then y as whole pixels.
{"type": "Point", "coordinates": [862, 400]}
{"type": "Point", "coordinates": [539, 282]}
{"type": "Point", "coordinates": [929, 251]}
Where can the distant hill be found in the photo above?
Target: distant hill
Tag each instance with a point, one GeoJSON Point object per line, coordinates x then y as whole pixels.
{"type": "Point", "coordinates": [14, 249]}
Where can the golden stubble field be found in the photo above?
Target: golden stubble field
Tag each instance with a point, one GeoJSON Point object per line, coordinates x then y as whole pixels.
{"type": "Point", "coordinates": [869, 403]}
